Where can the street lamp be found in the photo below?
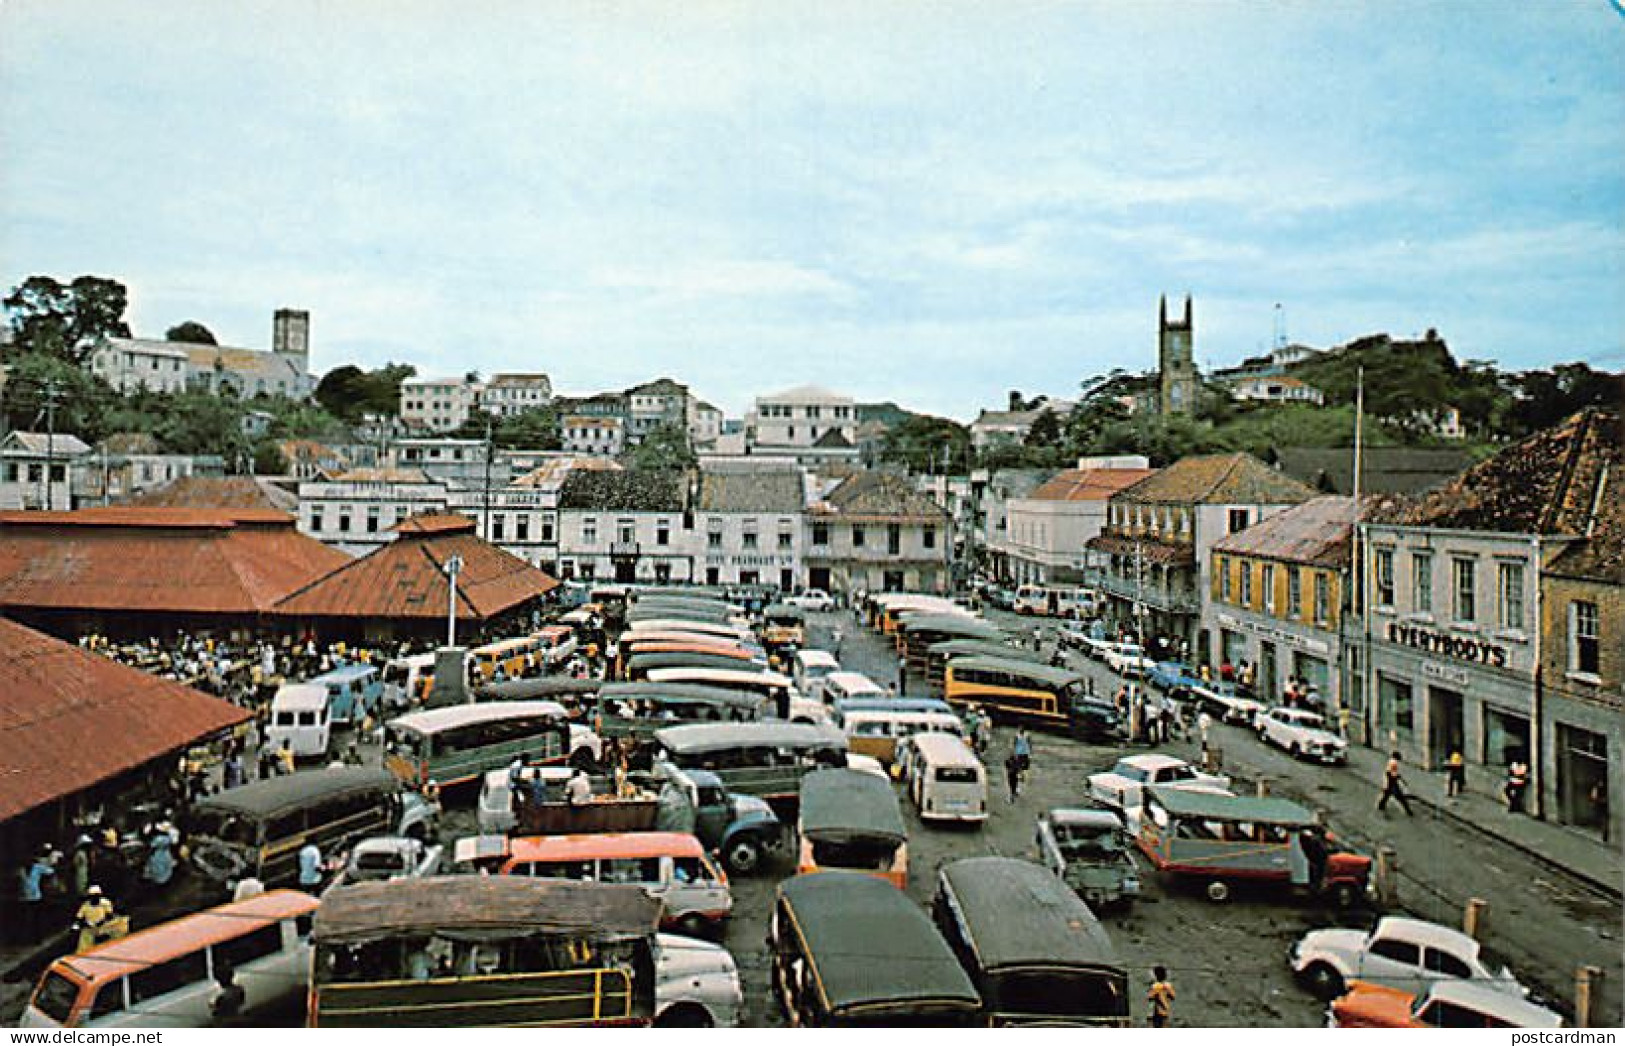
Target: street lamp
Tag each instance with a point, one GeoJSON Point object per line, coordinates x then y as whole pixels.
{"type": "Point", "coordinates": [453, 567]}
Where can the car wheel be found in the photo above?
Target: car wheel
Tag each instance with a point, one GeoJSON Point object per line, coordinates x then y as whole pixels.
{"type": "Point", "coordinates": [1323, 982]}
{"type": "Point", "coordinates": [1294, 751]}
{"type": "Point", "coordinates": [685, 1015]}
{"type": "Point", "coordinates": [743, 857]}
{"type": "Point", "coordinates": [693, 925]}
{"type": "Point", "coordinates": [1218, 891]}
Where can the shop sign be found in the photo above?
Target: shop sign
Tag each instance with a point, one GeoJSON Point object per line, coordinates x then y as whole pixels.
{"type": "Point", "coordinates": [1445, 673]}
{"type": "Point", "coordinates": [1275, 635]}
{"type": "Point", "coordinates": [1464, 648]}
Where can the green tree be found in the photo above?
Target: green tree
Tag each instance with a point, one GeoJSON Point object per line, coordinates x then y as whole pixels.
{"type": "Point", "coordinates": [1546, 397]}
{"type": "Point", "coordinates": [268, 459]}
{"type": "Point", "coordinates": [924, 443]}
{"type": "Point", "coordinates": [191, 332]}
{"type": "Point", "coordinates": [67, 321]}
{"type": "Point", "coordinates": [36, 378]}
{"type": "Point", "coordinates": [664, 447]}
{"type": "Point", "coordinates": [349, 392]}
{"type": "Point", "coordinates": [534, 429]}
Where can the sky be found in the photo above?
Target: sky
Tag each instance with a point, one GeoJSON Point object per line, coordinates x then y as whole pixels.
{"type": "Point", "coordinates": [932, 203]}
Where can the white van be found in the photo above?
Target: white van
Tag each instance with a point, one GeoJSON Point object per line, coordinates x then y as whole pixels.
{"type": "Point", "coordinates": [299, 715]}
{"type": "Point", "coordinates": [407, 681]}
{"type": "Point", "coordinates": [944, 778]}
{"type": "Point", "coordinates": [810, 669]}
{"type": "Point", "coordinates": [840, 686]}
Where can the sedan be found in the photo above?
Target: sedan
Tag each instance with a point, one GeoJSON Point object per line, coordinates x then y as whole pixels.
{"type": "Point", "coordinates": [1225, 701]}
{"type": "Point", "coordinates": [387, 857]}
{"type": "Point", "coordinates": [1303, 734]}
{"type": "Point", "coordinates": [812, 599]}
{"type": "Point", "coordinates": [1398, 953]}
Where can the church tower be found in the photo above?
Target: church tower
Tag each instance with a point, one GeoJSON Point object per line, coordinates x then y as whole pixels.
{"type": "Point", "coordinates": [1176, 369]}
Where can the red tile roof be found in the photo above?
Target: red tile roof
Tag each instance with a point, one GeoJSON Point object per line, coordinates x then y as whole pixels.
{"type": "Point", "coordinates": [70, 719]}
{"type": "Point", "coordinates": [406, 578]}
{"type": "Point", "coordinates": [200, 561]}
{"type": "Point", "coordinates": [1088, 484]}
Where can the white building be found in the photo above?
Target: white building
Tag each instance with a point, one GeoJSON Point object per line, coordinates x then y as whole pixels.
{"type": "Point", "coordinates": [134, 364]}
{"type": "Point", "coordinates": [799, 418]}
{"type": "Point", "coordinates": [37, 471]}
{"type": "Point", "coordinates": [586, 434]}
{"type": "Point", "coordinates": [625, 526]}
{"type": "Point", "coordinates": [704, 425]}
{"type": "Point", "coordinates": [748, 522]}
{"type": "Point", "coordinates": [437, 404]}
{"type": "Point", "coordinates": [1278, 389]}
{"type": "Point", "coordinates": [444, 458]}
{"type": "Point", "coordinates": [509, 395]}
{"type": "Point", "coordinates": [129, 364]}
{"type": "Point", "coordinates": [1048, 531]}
{"type": "Point", "coordinates": [656, 403]}
{"type": "Point", "coordinates": [357, 511]}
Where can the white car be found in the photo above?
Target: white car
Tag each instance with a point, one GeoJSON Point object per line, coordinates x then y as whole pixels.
{"type": "Point", "coordinates": [1123, 787]}
{"type": "Point", "coordinates": [1127, 659]}
{"type": "Point", "coordinates": [1303, 734]}
{"type": "Point", "coordinates": [812, 599]}
{"type": "Point", "coordinates": [1098, 648]}
{"type": "Point", "coordinates": [1398, 953]}
{"type": "Point", "coordinates": [696, 984]}
{"type": "Point", "coordinates": [386, 857]}
{"type": "Point", "coordinates": [1227, 703]}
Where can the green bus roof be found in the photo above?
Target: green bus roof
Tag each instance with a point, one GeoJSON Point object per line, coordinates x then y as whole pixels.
{"type": "Point", "coordinates": [1016, 913]}
{"type": "Point", "coordinates": [950, 625]}
{"type": "Point", "coordinates": [951, 647]}
{"type": "Point", "coordinates": [844, 805]}
{"type": "Point", "coordinates": [869, 945]}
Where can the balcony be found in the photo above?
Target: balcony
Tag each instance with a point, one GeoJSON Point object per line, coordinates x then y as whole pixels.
{"type": "Point", "coordinates": [1172, 599]}
{"type": "Point", "coordinates": [623, 549]}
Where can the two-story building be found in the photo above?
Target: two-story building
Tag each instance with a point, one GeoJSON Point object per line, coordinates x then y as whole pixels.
{"type": "Point", "coordinates": [654, 404]}
{"type": "Point", "coordinates": [133, 364]}
{"type": "Point", "coordinates": [875, 533]}
{"type": "Point", "coordinates": [749, 518]}
{"type": "Point", "coordinates": [510, 395]}
{"type": "Point", "coordinates": [1458, 630]}
{"type": "Point", "coordinates": [1048, 532]}
{"type": "Point", "coordinates": [357, 511]}
{"type": "Point", "coordinates": [437, 404]}
{"type": "Point", "coordinates": [629, 526]}
{"type": "Point", "coordinates": [1159, 534]}
{"type": "Point", "coordinates": [1276, 596]}
{"type": "Point", "coordinates": [585, 434]}
{"type": "Point", "coordinates": [808, 424]}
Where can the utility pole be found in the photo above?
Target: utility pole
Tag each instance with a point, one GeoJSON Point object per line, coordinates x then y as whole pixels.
{"type": "Point", "coordinates": [51, 392]}
{"type": "Point", "coordinates": [487, 491]}
{"type": "Point", "coordinates": [453, 567]}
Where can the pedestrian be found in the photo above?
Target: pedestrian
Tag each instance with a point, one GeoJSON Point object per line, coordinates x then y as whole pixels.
{"type": "Point", "coordinates": [1038, 636]}
{"type": "Point", "coordinates": [1023, 749]}
{"type": "Point", "coordinates": [31, 897]}
{"type": "Point", "coordinates": [1392, 787]}
{"type": "Point", "coordinates": [267, 761]}
{"type": "Point", "coordinates": [1204, 723]}
{"type": "Point", "coordinates": [1312, 840]}
{"type": "Point", "coordinates": [1160, 998]}
{"type": "Point", "coordinates": [579, 791]}
{"type": "Point", "coordinates": [231, 775]}
{"type": "Point", "coordinates": [94, 919]}
{"type": "Point", "coordinates": [310, 866]}
{"type": "Point", "coordinates": [1599, 805]}
{"type": "Point", "coordinates": [284, 758]}
{"type": "Point", "coordinates": [1517, 784]}
{"type": "Point", "coordinates": [160, 866]}
{"type": "Point", "coordinates": [1012, 774]}
{"type": "Point", "coordinates": [902, 677]}
{"type": "Point", "coordinates": [1455, 772]}
{"type": "Point", "coordinates": [836, 636]}
{"type": "Point", "coordinates": [79, 868]}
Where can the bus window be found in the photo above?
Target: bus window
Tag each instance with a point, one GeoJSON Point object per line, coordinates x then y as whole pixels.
{"type": "Point", "coordinates": [166, 977]}
{"type": "Point", "coordinates": [57, 995]}
{"type": "Point", "coordinates": [109, 1000]}
{"type": "Point", "coordinates": [637, 870]}
{"type": "Point", "coordinates": [238, 951]}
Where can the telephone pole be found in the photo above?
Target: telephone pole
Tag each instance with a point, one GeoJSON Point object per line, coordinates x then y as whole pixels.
{"type": "Point", "coordinates": [50, 393]}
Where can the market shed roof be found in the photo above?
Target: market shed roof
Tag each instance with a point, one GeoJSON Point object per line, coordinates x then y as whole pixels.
{"type": "Point", "coordinates": [1318, 532]}
{"type": "Point", "coordinates": [406, 578]}
{"type": "Point", "coordinates": [166, 560]}
{"type": "Point", "coordinates": [71, 719]}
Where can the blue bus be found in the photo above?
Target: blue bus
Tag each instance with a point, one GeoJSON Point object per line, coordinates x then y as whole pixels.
{"type": "Point", "coordinates": [352, 692]}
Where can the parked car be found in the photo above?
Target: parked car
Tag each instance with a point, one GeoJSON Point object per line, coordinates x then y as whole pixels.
{"type": "Point", "coordinates": [1398, 953]}
{"type": "Point", "coordinates": [1172, 675]}
{"type": "Point", "coordinates": [385, 857]}
{"type": "Point", "coordinates": [1001, 598]}
{"type": "Point", "coordinates": [1303, 734]}
{"type": "Point", "coordinates": [1123, 786]}
{"type": "Point", "coordinates": [696, 984]}
{"type": "Point", "coordinates": [812, 599]}
{"type": "Point", "coordinates": [1228, 703]}
{"type": "Point", "coordinates": [1128, 659]}
{"type": "Point", "coordinates": [1091, 853]}
{"type": "Point", "coordinates": [1445, 1004]}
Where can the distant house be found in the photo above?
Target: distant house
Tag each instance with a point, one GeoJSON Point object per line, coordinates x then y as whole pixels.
{"type": "Point", "coordinates": [37, 470]}
{"type": "Point", "coordinates": [1048, 531]}
{"type": "Point", "coordinates": [1277, 389]}
{"type": "Point", "coordinates": [509, 395]}
{"type": "Point", "coordinates": [129, 364]}
{"type": "Point", "coordinates": [797, 424]}
{"type": "Point", "coordinates": [437, 404]}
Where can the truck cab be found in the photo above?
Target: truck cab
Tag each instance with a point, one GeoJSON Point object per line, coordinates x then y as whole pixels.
{"type": "Point", "coordinates": [742, 828]}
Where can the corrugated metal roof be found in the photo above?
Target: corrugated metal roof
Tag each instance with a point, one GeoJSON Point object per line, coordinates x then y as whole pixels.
{"type": "Point", "coordinates": [217, 492]}
{"type": "Point", "coordinates": [70, 719]}
{"type": "Point", "coordinates": [406, 578]}
{"type": "Point", "coordinates": [230, 561]}
{"type": "Point", "coordinates": [881, 496]}
{"type": "Point", "coordinates": [1318, 532]}
{"type": "Point", "coordinates": [1088, 484]}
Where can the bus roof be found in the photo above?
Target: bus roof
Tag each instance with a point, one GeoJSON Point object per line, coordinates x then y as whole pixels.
{"type": "Point", "coordinates": [300, 697]}
{"type": "Point", "coordinates": [1211, 806]}
{"type": "Point", "coordinates": [637, 640]}
{"type": "Point", "coordinates": [488, 907]}
{"type": "Point", "coordinates": [538, 688]}
{"type": "Point", "coordinates": [951, 647]}
{"type": "Point", "coordinates": [944, 748]}
{"type": "Point", "coordinates": [855, 680]}
{"type": "Point", "coordinates": [1016, 913]}
{"type": "Point", "coordinates": [817, 657]}
{"type": "Point", "coordinates": [163, 942]}
{"type": "Point", "coordinates": [699, 738]}
{"type": "Point", "coordinates": [680, 693]}
{"type": "Point", "coordinates": [268, 797]}
{"type": "Point", "coordinates": [950, 625]}
{"type": "Point", "coordinates": [646, 661]}
{"type": "Point", "coordinates": [681, 624]}
{"type": "Point", "coordinates": [861, 705]}
{"type": "Point", "coordinates": [433, 720]}
{"type": "Point", "coordinates": [868, 944]}
{"type": "Point", "coordinates": [783, 612]}
{"type": "Point", "coordinates": [592, 845]}
{"type": "Point", "coordinates": [411, 661]}
{"type": "Point", "coordinates": [504, 644]}
{"type": "Point", "coordinates": [764, 676]}
{"type": "Point", "coordinates": [839, 805]}
{"type": "Point", "coordinates": [1036, 672]}
{"type": "Point", "coordinates": [345, 673]}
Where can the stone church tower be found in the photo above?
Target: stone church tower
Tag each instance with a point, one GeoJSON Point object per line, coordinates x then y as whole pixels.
{"type": "Point", "coordinates": [1176, 369]}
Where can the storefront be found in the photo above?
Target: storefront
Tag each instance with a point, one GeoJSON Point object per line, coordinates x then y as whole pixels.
{"type": "Point", "coordinates": [1279, 650]}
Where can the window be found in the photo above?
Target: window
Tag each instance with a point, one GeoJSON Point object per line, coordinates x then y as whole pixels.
{"type": "Point", "coordinates": [1445, 963]}
{"type": "Point", "coordinates": [344, 520]}
{"type": "Point", "coordinates": [589, 531]}
{"type": "Point", "coordinates": [316, 520]}
{"type": "Point", "coordinates": [547, 530]}
{"type": "Point", "coordinates": [167, 977]}
{"type": "Point", "coordinates": [1510, 604]}
{"type": "Point", "coordinates": [521, 527]}
{"type": "Point", "coordinates": [239, 951]}
{"type": "Point", "coordinates": [1269, 588]}
{"type": "Point", "coordinates": [1583, 645]}
{"type": "Point", "coordinates": [1385, 577]}
{"type": "Point", "coordinates": [857, 537]}
{"type": "Point", "coordinates": [498, 526]}
{"type": "Point", "coordinates": [1294, 592]}
{"type": "Point", "coordinates": [1246, 583]}
{"type": "Point", "coordinates": [1323, 599]}
{"type": "Point", "coordinates": [748, 538]}
{"type": "Point", "coordinates": [1397, 951]}
{"type": "Point", "coordinates": [928, 537]}
{"type": "Point", "coordinates": [1224, 578]}
{"type": "Point", "coordinates": [894, 539]}
{"type": "Point", "coordinates": [713, 538]}
{"type": "Point", "coordinates": [820, 534]}
{"type": "Point", "coordinates": [662, 532]}
{"type": "Point", "coordinates": [1238, 519]}
{"type": "Point", "coordinates": [1464, 590]}
{"type": "Point", "coordinates": [786, 540]}
{"type": "Point", "coordinates": [1422, 582]}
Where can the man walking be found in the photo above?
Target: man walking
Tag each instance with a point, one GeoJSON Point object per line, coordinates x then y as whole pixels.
{"type": "Point", "coordinates": [1455, 772]}
{"type": "Point", "coordinates": [1392, 788]}
{"type": "Point", "coordinates": [1012, 775]}
{"type": "Point", "coordinates": [1160, 997]}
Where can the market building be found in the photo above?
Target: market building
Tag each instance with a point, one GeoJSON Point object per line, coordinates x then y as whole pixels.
{"type": "Point", "coordinates": [1488, 602]}
{"type": "Point", "coordinates": [627, 526]}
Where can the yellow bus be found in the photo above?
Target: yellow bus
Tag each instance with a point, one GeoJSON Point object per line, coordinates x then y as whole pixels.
{"type": "Point", "coordinates": [1020, 691]}
{"type": "Point", "coordinates": [514, 656]}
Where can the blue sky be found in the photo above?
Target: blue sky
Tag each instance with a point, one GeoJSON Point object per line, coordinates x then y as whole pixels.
{"type": "Point", "coordinates": [931, 203]}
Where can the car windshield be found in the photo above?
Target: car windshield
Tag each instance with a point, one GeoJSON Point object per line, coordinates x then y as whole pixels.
{"type": "Point", "coordinates": [1087, 841]}
{"type": "Point", "coordinates": [1130, 771]}
{"type": "Point", "coordinates": [1178, 773]}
